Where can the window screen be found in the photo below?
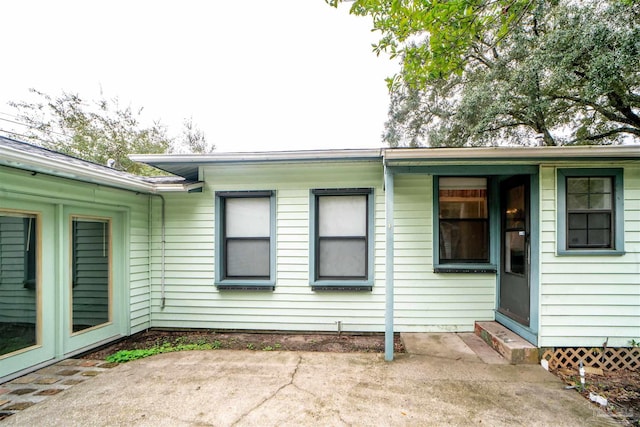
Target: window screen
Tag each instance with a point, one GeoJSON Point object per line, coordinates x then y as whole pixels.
{"type": "Point", "coordinates": [341, 241]}
{"type": "Point", "coordinates": [247, 237]}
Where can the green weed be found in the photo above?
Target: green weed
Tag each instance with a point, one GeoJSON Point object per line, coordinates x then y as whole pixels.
{"type": "Point", "coordinates": [166, 347]}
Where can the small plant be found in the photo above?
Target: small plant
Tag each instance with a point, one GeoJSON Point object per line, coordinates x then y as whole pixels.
{"type": "Point", "coordinates": [634, 343]}
{"type": "Point", "coordinates": [128, 355]}
{"type": "Point", "coordinates": [277, 345]}
{"type": "Point", "coordinates": [250, 346]}
{"type": "Point", "coordinates": [166, 347]}
{"type": "Point", "coordinates": [267, 348]}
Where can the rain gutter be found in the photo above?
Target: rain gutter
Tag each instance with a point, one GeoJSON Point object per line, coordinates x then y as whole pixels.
{"type": "Point", "coordinates": [270, 156]}
{"type": "Point", "coordinates": [513, 153]}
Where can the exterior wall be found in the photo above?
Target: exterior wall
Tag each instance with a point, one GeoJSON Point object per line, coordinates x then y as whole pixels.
{"type": "Point", "coordinates": [192, 299]}
{"type": "Point", "coordinates": [426, 301]}
{"type": "Point", "coordinates": [54, 200]}
{"type": "Point", "coordinates": [586, 300]}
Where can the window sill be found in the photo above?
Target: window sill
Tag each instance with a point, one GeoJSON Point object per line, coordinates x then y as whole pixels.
{"type": "Point", "coordinates": [246, 285]}
{"type": "Point", "coordinates": [342, 285]}
{"type": "Point", "coordinates": [465, 268]}
{"type": "Point", "coordinates": [589, 252]}
{"type": "Point", "coordinates": [322, 288]}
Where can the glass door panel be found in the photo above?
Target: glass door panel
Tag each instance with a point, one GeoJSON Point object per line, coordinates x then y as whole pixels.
{"type": "Point", "coordinates": [90, 272]}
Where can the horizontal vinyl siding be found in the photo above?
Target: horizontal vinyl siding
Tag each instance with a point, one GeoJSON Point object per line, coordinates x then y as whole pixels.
{"type": "Point", "coordinates": [586, 300]}
{"type": "Point", "coordinates": [139, 280]}
{"type": "Point", "coordinates": [426, 301]}
{"type": "Point", "coordinates": [193, 301]}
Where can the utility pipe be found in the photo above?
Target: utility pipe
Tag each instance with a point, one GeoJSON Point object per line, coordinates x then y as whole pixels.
{"type": "Point", "coordinates": [162, 251]}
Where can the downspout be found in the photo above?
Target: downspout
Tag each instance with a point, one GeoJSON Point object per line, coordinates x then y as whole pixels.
{"type": "Point", "coordinates": [150, 243]}
{"type": "Point", "coordinates": [162, 252]}
{"type": "Point", "coordinates": [389, 264]}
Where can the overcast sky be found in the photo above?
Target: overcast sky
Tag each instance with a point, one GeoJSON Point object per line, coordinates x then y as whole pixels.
{"type": "Point", "coordinates": [254, 75]}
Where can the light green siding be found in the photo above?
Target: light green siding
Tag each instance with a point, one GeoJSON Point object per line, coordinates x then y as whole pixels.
{"type": "Point", "coordinates": [424, 300]}
{"type": "Point", "coordinates": [55, 201]}
{"type": "Point", "coordinates": [586, 300]}
{"type": "Point", "coordinates": [192, 299]}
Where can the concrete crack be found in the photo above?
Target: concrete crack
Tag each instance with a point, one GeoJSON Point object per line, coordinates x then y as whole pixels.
{"type": "Point", "coordinates": [272, 395]}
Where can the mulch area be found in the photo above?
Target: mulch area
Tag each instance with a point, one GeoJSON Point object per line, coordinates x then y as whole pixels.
{"type": "Point", "coordinates": [339, 343]}
{"type": "Point", "coordinates": [621, 389]}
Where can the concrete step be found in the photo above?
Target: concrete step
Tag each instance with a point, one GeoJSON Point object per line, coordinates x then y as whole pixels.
{"type": "Point", "coordinates": [515, 349]}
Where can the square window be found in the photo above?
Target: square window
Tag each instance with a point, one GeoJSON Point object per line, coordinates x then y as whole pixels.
{"type": "Point", "coordinates": [342, 245]}
{"type": "Point", "coordinates": [244, 232]}
{"type": "Point", "coordinates": [590, 211]}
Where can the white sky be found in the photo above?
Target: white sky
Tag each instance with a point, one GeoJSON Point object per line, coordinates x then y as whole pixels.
{"type": "Point", "coordinates": [254, 74]}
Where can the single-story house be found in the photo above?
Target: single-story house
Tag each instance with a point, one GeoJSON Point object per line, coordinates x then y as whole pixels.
{"type": "Point", "coordinates": [545, 241]}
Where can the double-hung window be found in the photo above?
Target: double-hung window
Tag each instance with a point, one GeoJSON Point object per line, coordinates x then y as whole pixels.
{"type": "Point", "coordinates": [245, 233]}
{"type": "Point", "coordinates": [462, 224]}
{"type": "Point", "coordinates": [463, 220]}
{"type": "Point", "coordinates": [342, 227]}
{"type": "Point", "coordinates": [590, 211]}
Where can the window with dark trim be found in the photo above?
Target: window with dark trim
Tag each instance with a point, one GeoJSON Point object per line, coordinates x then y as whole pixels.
{"type": "Point", "coordinates": [463, 220]}
{"type": "Point", "coordinates": [342, 238]}
{"type": "Point", "coordinates": [590, 210]}
{"type": "Point", "coordinates": [245, 232]}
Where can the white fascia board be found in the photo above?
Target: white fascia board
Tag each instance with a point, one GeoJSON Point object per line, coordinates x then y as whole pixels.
{"type": "Point", "coordinates": [173, 188]}
{"type": "Point", "coordinates": [266, 156]}
{"type": "Point", "coordinates": [506, 153]}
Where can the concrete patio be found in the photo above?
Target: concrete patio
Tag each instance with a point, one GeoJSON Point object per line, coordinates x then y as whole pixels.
{"type": "Point", "coordinates": [445, 384]}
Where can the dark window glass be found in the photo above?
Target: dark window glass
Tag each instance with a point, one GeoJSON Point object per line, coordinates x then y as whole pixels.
{"type": "Point", "coordinates": [590, 212]}
{"type": "Point", "coordinates": [90, 272]}
{"type": "Point", "coordinates": [18, 281]}
{"type": "Point", "coordinates": [463, 220]}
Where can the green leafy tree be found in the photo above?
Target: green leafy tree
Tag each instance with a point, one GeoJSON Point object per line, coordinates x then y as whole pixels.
{"type": "Point", "coordinates": [522, 72]}
{"type": "Point", "coordinates": [193, 140]}
{"type": "Point", "coordinates": [100, 130]}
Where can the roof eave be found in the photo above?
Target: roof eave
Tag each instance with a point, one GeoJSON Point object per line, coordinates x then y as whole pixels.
{"type": "Point", "coordinates": [267, 156]}
{"type": "Point", "coordinates": [32, 162]}
{"type": "Point", "coordinates": [510, 153]}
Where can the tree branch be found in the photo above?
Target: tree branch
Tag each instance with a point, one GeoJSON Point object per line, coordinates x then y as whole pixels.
{"type": "Point", "coordinates": [607, 134]}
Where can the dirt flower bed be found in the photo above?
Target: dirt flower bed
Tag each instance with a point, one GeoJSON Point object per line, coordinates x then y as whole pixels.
{"type": "Point", "coordinates": [343, 343]}
{"type": "Point", "coordinates": [621, 389]}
